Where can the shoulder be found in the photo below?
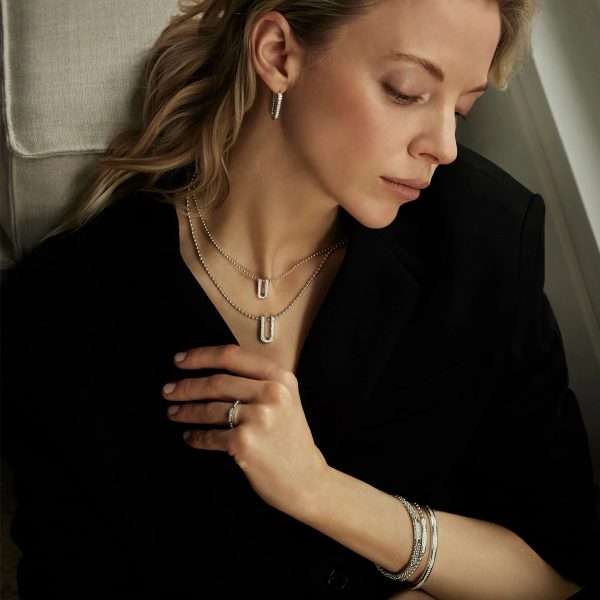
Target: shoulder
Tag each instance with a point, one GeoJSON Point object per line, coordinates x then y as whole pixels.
{"type": "Point", "coordinates": [87, 264]}
{"type": "Point", "coordinates": [473, 171]}
{"type": "Point", "coordinates": [474, 204]}
{"type": "Point", "coordinates": [476, 190]}
{"type": "Point", "coordinates": [475, 227]}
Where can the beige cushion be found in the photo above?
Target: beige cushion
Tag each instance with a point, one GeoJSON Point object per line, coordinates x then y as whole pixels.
{"type": "Point", "coordinates": [71, 83]}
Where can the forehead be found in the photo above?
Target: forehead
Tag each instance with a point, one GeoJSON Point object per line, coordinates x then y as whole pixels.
{"type": "Point", "coordinates": [455, 34]}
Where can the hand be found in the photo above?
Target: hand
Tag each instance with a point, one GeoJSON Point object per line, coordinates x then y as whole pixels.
{"type": "Point", "coordinates": [271, 441]}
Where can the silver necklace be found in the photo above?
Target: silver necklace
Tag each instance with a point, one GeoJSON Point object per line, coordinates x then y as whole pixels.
{"type": "Point", "coordinates": [262, 283]}
{"type": "Point", "coordinates": [262, 318]}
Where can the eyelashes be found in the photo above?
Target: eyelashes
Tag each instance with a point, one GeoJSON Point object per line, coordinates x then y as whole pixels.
{"type": "Point", "coordinates": [399, 96]}
{"type": "Point", "coordinates": [403, 99]}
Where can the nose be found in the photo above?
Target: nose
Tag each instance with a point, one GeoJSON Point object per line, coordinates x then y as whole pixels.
{"type": "Point", "coordinates": [436, 139]}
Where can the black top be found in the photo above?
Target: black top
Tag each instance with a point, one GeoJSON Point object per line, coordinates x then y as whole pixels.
{"type": "Point", "coordinates": [434, 369]}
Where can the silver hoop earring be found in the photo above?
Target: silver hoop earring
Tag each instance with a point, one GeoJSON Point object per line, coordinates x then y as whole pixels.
{"type": "Point", "coordinates": [276, 105]}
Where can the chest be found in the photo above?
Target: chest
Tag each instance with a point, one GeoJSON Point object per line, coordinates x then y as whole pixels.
{"type": "Point", "coordinates": [291, 327]}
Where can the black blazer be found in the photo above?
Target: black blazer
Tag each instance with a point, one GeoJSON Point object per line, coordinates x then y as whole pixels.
{"type": "Point", "coordinates": [433, 369]}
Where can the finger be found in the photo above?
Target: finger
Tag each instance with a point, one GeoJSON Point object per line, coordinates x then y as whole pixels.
{"type": "Point", "coordinates": [204, 413]}
{"type": "Point", "coordinates": [212, 439]}
{"type": "Point", "coordinates": [236, 359]}
{"type": "Point", "coordinates": [214, 387]}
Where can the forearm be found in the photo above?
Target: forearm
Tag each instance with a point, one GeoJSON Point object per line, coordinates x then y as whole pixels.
{"type": "Point", "coordinates": [475, 559]}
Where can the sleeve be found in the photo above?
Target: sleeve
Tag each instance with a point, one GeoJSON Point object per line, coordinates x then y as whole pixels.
{"type": "Point", "coordinates": [68, 543]}
{"type": "Point", "coordinates": [529, 467]}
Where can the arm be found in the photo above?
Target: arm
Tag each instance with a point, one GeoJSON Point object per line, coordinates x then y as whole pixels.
{"type": "Point", "coordinates": [526, 482]}
{"type": "Point", "coordinates": [522, 504]}
{"type": "Point", "coordinates": [475, 559]}
{"type": "Point", "coordinates": [280, 464]}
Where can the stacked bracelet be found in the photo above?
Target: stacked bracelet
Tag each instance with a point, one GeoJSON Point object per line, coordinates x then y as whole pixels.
{"type": "Point", "coordinates": [432, 554]}
{"type": "Point", "coordinates": [423, 529]}
{"type": "Point", "coordinates": [416, 556]}
{"type": "Point", "coordinates": [420, 543]}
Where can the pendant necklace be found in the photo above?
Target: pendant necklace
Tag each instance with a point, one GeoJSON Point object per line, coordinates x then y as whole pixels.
{"type": "Point", "coordinates": [262, 283]}
{"type": "Point", "coordinates": [262, 334]}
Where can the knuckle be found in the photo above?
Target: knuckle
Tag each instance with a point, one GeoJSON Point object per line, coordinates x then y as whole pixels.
{"type": "Point", "coordinates": [264, 413]}
{"type": "Point", "coordinates": [189, 359]}
{"type": "Point", "coordinates": [274, 392]}
{"type": "Point", "coordinates": [214, 384]}
{"type": "Point", "coordinates": [185, 386]}
{"type": "Point", "coordinates": [242, 440]}
{"type": "Point", "coordinates": [229, 353]}
{"type": "Point", "coordinates": [207, 438]}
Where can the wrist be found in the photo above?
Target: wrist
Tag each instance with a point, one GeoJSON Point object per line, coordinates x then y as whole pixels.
{"type": "Point", "coordinates": [310, 505]}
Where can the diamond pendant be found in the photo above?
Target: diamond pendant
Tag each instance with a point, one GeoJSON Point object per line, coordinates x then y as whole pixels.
{"type": "Point", "coordinates": [263, 339]}
{"type": "Point", "coordinates": [263, 288]}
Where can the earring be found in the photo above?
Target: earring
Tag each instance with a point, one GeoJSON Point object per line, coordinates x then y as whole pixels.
{"type": "Point", "coordinates": [276, 105]}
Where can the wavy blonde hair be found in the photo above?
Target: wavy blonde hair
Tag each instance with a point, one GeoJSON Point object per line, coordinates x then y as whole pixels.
{"type": "Point", "coordinates": [197, 94]}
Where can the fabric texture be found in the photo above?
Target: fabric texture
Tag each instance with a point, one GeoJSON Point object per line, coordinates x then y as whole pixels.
{"type": "Point", "coordinates": [434, 326]}
{"type": "Point", "coordinates": [71, 83]}
{"type": "Point", "coordinates": [72, 68]}
{"type": "Point", "coordinates": [39, 194]}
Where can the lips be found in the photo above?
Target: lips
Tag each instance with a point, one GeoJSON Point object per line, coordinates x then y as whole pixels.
{"type": "Point", "coordinates": [417, 184]}
{"type": "Point", "coordinates": [406, 192]}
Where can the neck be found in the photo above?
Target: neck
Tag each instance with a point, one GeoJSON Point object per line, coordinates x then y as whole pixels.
{"type": "Point", "coordinates": [271, 217]}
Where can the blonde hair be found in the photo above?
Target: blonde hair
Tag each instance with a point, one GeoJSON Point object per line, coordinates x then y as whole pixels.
{"type": "Point", "coordinates": [200, 81]}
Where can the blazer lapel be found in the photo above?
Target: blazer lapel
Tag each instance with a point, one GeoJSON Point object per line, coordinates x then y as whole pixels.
{"type": "Point", "coordinates": [358, 325]}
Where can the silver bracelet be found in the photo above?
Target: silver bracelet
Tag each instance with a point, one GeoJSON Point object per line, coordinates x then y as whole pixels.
{"type": "Point", "coordinates": [434, 545]}
{"type": "Point", "coordinates": [424, 532]}
{"type": "Point", "coordinates": [415, 557]}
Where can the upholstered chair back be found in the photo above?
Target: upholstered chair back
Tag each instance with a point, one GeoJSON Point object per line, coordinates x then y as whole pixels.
{"type": "Point", "coordinates": [71, 75]}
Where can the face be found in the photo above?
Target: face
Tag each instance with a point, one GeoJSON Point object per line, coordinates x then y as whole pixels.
{"type": "Point", "coordinates": [369, 111]}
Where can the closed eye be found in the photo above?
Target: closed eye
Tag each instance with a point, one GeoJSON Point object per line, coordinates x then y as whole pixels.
{"type": "Point", "coordinates": [399, 96]}
{"type": "Point", "coordinates": [404, 99]}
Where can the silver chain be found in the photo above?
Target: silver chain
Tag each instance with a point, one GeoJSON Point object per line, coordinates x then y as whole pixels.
{"type": "Point", "coordinates": [244, 270]}
{"type": "Point", "coordinates": [242, 311]}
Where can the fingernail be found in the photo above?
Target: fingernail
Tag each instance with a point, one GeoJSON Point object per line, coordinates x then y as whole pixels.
{"type": "Point", "coordinates": [173, 410]}
{"type": "Point", "coordinates": [168, 388]}
{"type": "Point", "coordinates": [180, 356]}
{"type": "Point", "coordinates": [186, 434]}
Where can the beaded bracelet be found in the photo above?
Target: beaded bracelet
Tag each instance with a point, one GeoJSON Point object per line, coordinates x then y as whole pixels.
{"type": "Point", "coordinates": [416, 555]}
{"type": "Point", "coordinates": [424, 535]}
{"type": "Point", "coordinates": [432, 554]}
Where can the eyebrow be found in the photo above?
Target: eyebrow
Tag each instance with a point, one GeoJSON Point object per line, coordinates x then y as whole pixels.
{"type": "Point", "coordinates": [434, 70]}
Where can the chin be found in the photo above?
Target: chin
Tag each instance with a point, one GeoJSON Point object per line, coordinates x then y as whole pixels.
{"type": "Point", "coordinates": [377, 219]}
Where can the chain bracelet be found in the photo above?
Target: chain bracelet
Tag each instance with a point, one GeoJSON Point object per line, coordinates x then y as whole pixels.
{"type": "Point", "coordinates": [432, 554]}
{"type": "Point", "coordinates": [415, 557]}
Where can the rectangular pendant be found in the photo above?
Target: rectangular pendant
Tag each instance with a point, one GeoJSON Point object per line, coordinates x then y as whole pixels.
{"type": "Point", "coordinates": [263, 338]}
{"type": "Point", "coordinates": [263, 288]}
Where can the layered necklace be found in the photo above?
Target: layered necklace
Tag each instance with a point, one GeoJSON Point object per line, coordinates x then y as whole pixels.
{"type": "Point", "coordinates": [263, 283]}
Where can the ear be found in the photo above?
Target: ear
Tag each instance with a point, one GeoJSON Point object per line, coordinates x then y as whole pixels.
{"type": "Point", "coordinates": [276, 56]}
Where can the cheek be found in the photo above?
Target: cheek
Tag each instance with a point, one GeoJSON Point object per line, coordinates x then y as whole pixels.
{"type": "Point", "coordinates": [341, 127]}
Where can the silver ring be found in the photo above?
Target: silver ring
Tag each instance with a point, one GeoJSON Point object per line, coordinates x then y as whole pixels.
{"type": "Point", "coordinates": [231, 413]}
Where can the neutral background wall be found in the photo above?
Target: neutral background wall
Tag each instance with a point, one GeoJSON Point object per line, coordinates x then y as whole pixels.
{"type": "Point", "coordinates": [545, 131]}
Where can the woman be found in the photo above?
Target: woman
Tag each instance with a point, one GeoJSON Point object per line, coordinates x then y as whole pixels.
{"type": "Point", "coordinates": [360, 345]}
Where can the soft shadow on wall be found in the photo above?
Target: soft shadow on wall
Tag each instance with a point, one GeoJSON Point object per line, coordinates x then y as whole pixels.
{"type": "Point", "coordinates": [545, 131]}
